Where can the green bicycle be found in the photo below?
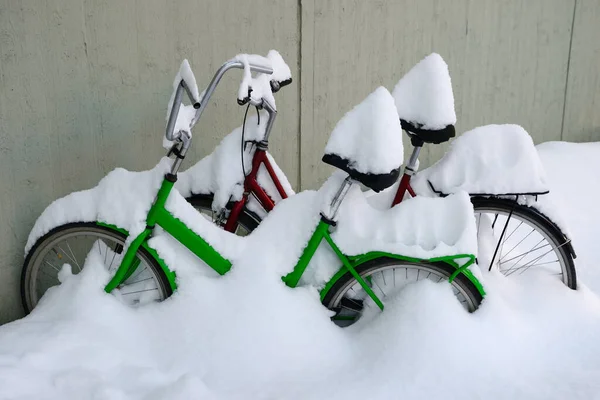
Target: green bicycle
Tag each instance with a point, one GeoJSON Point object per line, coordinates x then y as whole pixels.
{"type": "Point", "coordinates": [361, 281]}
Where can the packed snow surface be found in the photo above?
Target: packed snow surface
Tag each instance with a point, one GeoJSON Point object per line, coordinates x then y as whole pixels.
{"type": "Point", "coordinates": [424, 95]}
{"type": "Point", "coordinates": [370, 135]}
{"type": "Point", "coordinates": [423, 227]}
{"type": "Point", "coordinates": [491, 159]}
{"type": "Point", "coordinates": [248, 336]}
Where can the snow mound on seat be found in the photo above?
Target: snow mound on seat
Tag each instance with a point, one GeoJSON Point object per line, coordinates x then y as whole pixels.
{"type": "Point", "coordinates": [422, 227]}
{"type": "Point", "coordinates": [220, 173]}
{"type": "Point", "coordinates": [491, 159]}
{"type": "Point", "coordinates": [370, 135]}
{"type": "Point", "coordinates": [424, 95]}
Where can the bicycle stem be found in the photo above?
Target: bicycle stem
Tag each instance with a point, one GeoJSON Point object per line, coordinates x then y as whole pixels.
{"type": "Point", "coordinates": [185, 138]}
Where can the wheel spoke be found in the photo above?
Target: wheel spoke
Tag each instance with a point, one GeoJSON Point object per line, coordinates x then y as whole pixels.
{"type": "Point", "coordinates": [68, 256]}
{"type": "Point", "coordinates": [139, 291]}
{"type": "Point", "coordinates": [535, 248]}
{"type": "Point", "coordinates": [516, 245]}
{"type": "Point", "coordinates": [514, 230]}
{"type": "Point", "coordinates": [57, 270]}
{"type": "Point", "coordinates": [73, 254]}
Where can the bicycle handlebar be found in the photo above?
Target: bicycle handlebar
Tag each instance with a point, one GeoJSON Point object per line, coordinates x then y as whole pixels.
{"type": "Point", "coordinates": [258, 64]}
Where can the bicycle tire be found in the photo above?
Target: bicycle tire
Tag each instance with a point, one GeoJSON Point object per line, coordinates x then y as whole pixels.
{"type": "Point", "coordinates": [344, 284]}
{"type": "Point", "coordinates": [542, 224]}
{"type": "Point", "coordinates": [247, 219]}
{"type": "Point", "coordinates": [31, 266]}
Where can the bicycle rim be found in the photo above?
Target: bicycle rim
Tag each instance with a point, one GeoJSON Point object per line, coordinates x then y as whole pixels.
{"type": "Point", "coordinates": [386, 277]}
{"type": "Point", "coordinates": [513, 241]}
{"type": "Point", "coordinates": [71, 245]}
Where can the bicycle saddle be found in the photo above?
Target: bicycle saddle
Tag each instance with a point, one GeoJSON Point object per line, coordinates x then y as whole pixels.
{"type": "Point", "coordinates": [377, 182]}
{"type": "Point", "coordinates": [434, 136]}
{"type": "Point", "coordinates": [367, 142]}
{"type": "Point", "coordinates": [425, 102]}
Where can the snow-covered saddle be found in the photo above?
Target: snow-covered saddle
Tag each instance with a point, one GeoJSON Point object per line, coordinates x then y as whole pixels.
{"type": "Point", "coordinates": [367, 142]}
{"type": "Point", "coordinates": [425, 102]}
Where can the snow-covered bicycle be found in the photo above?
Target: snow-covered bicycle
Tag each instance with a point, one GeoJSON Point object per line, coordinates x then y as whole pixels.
{"type": "Point", "coordinates": [497, 164]}
{"type": "Point", "coordinates": [365, 263]}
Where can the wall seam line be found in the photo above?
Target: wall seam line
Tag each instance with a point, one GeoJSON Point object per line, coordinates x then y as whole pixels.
{"type": "Point", "coordinates": [299, 141]}
{"type": "Point", "coordinates": [562, 127]}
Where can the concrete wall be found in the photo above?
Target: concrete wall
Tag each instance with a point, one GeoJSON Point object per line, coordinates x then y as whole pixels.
{"type": "Point", "coordinates": [84, 84]}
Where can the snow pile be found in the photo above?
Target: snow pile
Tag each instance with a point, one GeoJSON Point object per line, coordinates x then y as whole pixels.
{"type": "Point", "coordinates": [422, 227]}
{"type": "Point", "coordinates": [424, 95]}
{"type": "Point", "coordinates": [369, 135]}
{"type": "Point", "coordinates": [491, 159]}
{"type": "Point", "coordinates": [573, 200]}
{"type": "Point", "coordinates": [221, 171]}
{"type": "Point", "coordinates": [247, 336]}
{"type": "Point", "coordinates": [121, 198]}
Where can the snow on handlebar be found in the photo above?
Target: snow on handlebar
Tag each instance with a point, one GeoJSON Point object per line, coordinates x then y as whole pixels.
{"type": "Point", "coordinates": [264, 84]}
{"type": "Point", "coordinates": [271, 73]}
{"type": "Point", "coordinates": [181, 117]}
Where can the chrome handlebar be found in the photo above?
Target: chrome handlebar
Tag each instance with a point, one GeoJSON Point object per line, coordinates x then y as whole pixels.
{"type": "Point", "coordinates": [200, 104]}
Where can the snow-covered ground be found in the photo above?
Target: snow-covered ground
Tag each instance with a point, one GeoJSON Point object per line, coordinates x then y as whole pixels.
{"type": "Point", "coordinates": [247, 336]}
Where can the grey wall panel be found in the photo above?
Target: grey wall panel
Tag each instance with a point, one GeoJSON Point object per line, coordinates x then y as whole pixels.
{"type": "Point", "coordinates": [507, 59]}
{"type": "Point", "coordinates": [582, 111]}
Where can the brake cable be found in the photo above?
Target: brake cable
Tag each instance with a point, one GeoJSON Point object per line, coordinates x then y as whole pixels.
{"type": "Point", "coordinates": [243, 143]}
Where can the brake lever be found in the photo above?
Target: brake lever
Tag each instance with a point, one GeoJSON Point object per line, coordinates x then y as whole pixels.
{"type": "Point", "coordinates": [246, 99]}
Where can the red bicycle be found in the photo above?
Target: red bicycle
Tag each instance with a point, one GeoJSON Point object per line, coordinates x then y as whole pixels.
{"type": "Point", "coordinates": [243, 216]}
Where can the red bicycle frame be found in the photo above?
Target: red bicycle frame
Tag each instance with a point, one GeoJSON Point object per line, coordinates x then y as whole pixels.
{"type": "Point", "coordinates": [403, 188]}
{"type": "Point", "coordinates": [251, 186]}
{"type": "Point", "coordinates": [409, 171]}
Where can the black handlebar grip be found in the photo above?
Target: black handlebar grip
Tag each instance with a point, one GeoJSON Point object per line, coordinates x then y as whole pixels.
{"type": "Point", "coordinates": [276, 85]}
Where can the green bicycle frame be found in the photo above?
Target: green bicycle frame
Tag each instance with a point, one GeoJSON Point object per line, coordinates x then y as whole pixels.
{"type": "Point", "coordinates": [158, 215]}
{"type": "Point", "coordinates": [349, 264]}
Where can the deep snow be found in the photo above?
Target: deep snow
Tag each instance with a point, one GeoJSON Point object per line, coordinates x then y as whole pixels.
{"type": "Point", "coordinates": [248, 336]}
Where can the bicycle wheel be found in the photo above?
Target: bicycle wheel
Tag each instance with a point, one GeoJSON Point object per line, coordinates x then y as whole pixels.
{"type": "Point", "coordinates": [386, 277]}
{"type": "Point", "coordinates": [71, 244]}
{"type": "Point", "coordinates": [247, 221]}
{"type": "Point", "coordinates": [515, 239]}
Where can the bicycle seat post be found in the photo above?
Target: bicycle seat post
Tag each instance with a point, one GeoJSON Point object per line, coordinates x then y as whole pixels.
{"type": "Point", "coordinates": [413, 162]}
{"type": "Point", "coordinates": [338, 198]}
